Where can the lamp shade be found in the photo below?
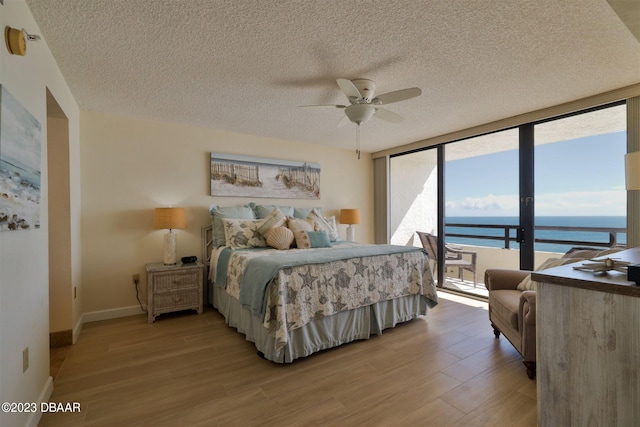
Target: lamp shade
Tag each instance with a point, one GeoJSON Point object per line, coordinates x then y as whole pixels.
{"type": "Point", "coordinates": [632, 170]}
{"type": "Point", "coordinates": [170, 218]}
{"type": "Point", "coordinates": [350, 216]}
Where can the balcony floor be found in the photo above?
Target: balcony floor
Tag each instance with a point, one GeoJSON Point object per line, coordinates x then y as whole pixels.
{"type": "Point", "coordinates": [466, 286]}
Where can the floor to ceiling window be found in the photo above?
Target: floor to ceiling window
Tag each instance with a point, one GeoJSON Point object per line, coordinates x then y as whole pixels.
{"type": "Point", "coordinates": [569, 171]}
{"type": "Point", "coordinates": [579, 180]}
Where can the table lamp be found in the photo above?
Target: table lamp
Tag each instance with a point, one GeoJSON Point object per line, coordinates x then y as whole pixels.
{"type": "Point", "coordinates": [170, 218]}
{"type": "Point", "coordinates": [350, 216]}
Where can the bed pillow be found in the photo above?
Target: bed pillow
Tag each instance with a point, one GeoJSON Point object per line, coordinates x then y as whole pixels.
{"type": "Point", "coordinates": [280, 238]}
{"type": "Point", "coordinates": [298, 224]}
{"type": "Point", "coordinates": [326, 224]}
{"type": "Point", "coordinates": [312, 239]}
{"type": "Point", "coordinates": [275, 219]}
{"type": "Point", "coordinates": [243, 233]}
{"type": "Point", "coordinates": [218, 213]}
{"type": "Point", "coordinates": [262, 211]}
{"type": "Point", "coordinates": [529, 285]}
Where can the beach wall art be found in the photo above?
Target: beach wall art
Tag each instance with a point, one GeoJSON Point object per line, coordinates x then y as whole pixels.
{"type": "Point", "coordinates": [20, 147]}
{"type": "Point", "coordinates": [247, 176]}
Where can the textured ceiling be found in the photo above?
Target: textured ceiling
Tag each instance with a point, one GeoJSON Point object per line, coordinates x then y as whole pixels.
{"type": "Point", "coordinates": [245, 66]}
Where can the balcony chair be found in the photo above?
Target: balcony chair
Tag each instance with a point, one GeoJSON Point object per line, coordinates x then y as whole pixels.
{"type": "Point", "coordinates": [512, 302]}
{"type": "Point", "coordinates": [452, 257]}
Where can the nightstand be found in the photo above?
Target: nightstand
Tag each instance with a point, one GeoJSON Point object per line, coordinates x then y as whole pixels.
{"type": "Point", "coordinates": [174, 288]}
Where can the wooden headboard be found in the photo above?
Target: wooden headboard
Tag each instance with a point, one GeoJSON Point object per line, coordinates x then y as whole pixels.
{"type": "Point", "coordinates": [207, 245]}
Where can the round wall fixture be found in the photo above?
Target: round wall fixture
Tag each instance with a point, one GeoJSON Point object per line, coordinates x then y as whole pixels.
{"type": "Point", "coordinates": [16, 41]}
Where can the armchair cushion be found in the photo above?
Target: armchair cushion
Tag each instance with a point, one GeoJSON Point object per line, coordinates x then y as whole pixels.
{"type": "Point", "coordinates": [506, 304]}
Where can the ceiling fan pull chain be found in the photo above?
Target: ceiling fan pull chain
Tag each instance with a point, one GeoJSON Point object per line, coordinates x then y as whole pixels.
{"type": "Point", "coordinates": [358, 140]}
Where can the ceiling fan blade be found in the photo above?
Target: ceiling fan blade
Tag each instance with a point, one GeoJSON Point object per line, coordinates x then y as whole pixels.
{"type": "Point", "coordinates": [396, 96]}
{"type": "Point", "coordinates": [323, 105]}
{"type": "Point", "coordinates": [388, 116]}
{"type": "Point", "coordinates": [349, 89]}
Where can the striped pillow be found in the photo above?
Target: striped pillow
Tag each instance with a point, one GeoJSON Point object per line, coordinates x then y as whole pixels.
{"type": "Point", "coordinates": [529, 285]}
{"type": "Point", "coordinates": [326, 224]}
{"type": "Point", "coordinates": [275, 219]}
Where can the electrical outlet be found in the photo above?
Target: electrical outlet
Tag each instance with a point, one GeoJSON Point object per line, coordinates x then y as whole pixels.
{"type": "Point", "coordinates": [136, 278]}
{"type": "Point", "coordinates": [25, 359]}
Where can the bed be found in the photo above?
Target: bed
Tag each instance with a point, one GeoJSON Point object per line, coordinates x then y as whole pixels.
{"type": "Point", "coordinates": [293, 303]}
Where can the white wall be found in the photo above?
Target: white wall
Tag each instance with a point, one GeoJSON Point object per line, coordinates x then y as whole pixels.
{"type": "Point", "coordinates": [413, 196]}
{"type": "Point", "coordinates": [131, 166]}
{"type": "Point", "coordinates": [24, 299]}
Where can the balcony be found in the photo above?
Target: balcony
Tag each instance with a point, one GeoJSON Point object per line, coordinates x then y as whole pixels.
{"type": "Point", "coordinates": [496, 247]}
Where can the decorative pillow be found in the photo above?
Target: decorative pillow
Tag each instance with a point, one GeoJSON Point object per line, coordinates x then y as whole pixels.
{"type": "Point", "coordinates": [312, 239]}
{"type": "Point", "coordinates": [304, 212]}
{"type": "Point", "coordinates": [298, 224]}
{"type": "Point", "coordinates": [243, 233]}
{"type": "Point", "coordinates": [609, 251]}
{"type": "Point", "coordinates": [280, 238]}
{"type": "Point", "coordinates": [582, 253]}
{"type": "Point", "coordinates": [275, 219]}
{"type": "Point", "coordinates": [325, 224]}
{"type": "Point", "coordinates": [219, 212]}
{"type": "Point", "coordinates": [262, 211]}
{"type": "Point", "coordinates": [529, 285]}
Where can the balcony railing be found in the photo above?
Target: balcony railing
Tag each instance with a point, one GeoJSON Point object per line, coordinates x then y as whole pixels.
{"type": "Point", "coordinates": [508, 233]}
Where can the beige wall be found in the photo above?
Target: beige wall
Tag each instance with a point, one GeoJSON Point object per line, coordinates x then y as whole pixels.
{"type": "Point", "coordinates": [413, 197]}
{"type": "Point", "coordinates": [131, 166]}
{"type": "Point", "coordinates": [24, 267]}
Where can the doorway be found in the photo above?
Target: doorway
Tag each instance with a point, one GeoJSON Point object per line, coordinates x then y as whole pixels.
{"type": "Point", "coordinates": [61, 290]}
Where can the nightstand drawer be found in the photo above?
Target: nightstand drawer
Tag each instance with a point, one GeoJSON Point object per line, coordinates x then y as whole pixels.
{"type": "Point", "coordinates": [175, 281]}
{"type": "Point", "coordinates": [175, 300]}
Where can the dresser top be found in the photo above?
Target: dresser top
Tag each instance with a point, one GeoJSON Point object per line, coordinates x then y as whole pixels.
{"type": "Point", "coordinates": [610, 282]}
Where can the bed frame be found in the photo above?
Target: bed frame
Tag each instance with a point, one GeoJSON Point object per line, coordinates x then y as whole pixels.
{"type": "Point", "coordinates": [320, 334]}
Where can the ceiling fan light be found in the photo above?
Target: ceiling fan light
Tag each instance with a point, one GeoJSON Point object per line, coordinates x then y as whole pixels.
{"type": "Point", "coordinates": [359, 113]}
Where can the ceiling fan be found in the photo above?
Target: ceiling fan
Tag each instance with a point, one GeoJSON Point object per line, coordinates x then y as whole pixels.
{"type": "Point", "coordinates": [363, 104]}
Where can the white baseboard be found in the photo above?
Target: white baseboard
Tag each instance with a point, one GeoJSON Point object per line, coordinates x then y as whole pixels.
{"type": "Point", "coordinates": [44, 396]}
{"type": "Point", "coordinates": [95, 316]}
{"type": "Point", "coordinates": [76, 330]}
{"type": "Point", "coordinates": [114, 313]}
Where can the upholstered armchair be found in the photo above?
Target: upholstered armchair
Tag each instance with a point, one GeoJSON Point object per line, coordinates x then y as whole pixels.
{"type": "Point", "coordinates": [513, 312]}
{"type": "Point", "coordinates": [512, 302]}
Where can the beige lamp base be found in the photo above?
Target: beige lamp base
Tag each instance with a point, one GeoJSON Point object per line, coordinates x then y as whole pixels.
{"type": "Point", "coordinates": [170, 243]}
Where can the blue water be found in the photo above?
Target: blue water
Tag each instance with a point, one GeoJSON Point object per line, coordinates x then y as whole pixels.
{"type": "Point", "coordinates": [563, 221]}
{"type": "Point", "coordinates": [12, 167]}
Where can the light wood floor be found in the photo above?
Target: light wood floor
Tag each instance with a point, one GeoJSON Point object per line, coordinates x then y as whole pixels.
{"type": "Point", "coordinates": [445, 369]}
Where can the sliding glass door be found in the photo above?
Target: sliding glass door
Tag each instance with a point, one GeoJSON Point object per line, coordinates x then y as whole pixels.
{"type": "Point", "coordinates": [481, 208]}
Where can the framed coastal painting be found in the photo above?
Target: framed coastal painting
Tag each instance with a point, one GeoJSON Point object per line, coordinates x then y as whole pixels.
{"type": "Point", "coordinates": [247, 176]}
{"type": "Point", "coordinates": [20, 140]}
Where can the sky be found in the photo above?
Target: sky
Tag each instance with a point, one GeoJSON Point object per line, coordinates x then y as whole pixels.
{"type": "Point", "coordinates": [578, 177]}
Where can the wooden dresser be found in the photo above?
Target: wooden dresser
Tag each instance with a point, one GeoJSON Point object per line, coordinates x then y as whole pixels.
{"type": "Point", "coordinates": [588, 346]}
{"type": "Point", "coordinates": [174, 288]}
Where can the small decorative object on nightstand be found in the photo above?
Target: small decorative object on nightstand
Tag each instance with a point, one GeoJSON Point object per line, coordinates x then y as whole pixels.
{"type": "Point", "coordinates": [174, 288]}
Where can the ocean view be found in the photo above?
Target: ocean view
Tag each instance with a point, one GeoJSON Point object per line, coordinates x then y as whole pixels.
{"type": "Point", "coordinates": [556, 221]}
